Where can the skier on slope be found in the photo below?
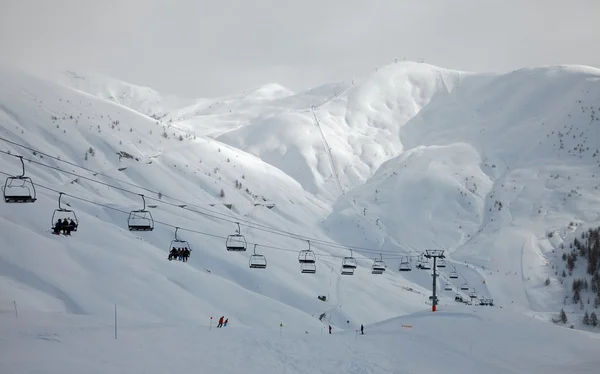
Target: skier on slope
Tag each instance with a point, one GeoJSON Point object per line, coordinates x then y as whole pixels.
{"type": "Point", "coordinates": [330, 329]}
{"type": "Point", "coordinates": [362, 329]}
{"type": "Point", "coordinates": [221, 321]}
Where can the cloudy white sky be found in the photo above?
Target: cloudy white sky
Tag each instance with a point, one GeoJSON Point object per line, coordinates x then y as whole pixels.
{"type": "Point", "coordinates": [213, 47]}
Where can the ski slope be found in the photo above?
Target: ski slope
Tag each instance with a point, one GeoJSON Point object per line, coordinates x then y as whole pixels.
{"type": "Point", "coordinates": [408, 158]}
{"type": "Point", "coordinates": [485, 340]}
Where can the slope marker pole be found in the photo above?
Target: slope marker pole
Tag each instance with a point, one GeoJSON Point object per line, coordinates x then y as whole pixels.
{"type": "Point", "coordinates": [115, 321]}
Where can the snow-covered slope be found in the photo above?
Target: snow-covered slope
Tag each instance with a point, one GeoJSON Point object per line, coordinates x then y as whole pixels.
{"type": "Point", "coordinates": [419, 158]}
{"type": "Point", "coordinates": [104, 256]}
{"type": "Point", "coordinates": [486, 340]}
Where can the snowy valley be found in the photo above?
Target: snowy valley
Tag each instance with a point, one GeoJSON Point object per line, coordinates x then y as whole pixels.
{"type": "Point", "coordinates": [499, 170]}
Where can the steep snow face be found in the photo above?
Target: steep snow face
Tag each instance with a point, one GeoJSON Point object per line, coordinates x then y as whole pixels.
{"type": "Point", "coordinates": [144, 100]}
{"type": "Point", "coordinates": [360, 129]}
{"type": "Point", "coordinates": [488, 170]}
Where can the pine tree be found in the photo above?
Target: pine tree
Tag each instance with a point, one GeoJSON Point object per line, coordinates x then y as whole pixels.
{"type": "Point", "coordinates": [586, 318]}
{"type": "Point", "coordinates": [576, 296]}
{"type": "Point", "coordinates": [563, 316]}
{"type": "Point", "coordinates": [593, 319]}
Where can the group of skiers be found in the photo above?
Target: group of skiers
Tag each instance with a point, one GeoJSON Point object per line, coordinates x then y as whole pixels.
{"type": "Point", "coordinates": [362, 329]}
{"type": "Point", "coordinates": [181, 254]}
{"type": "Point", "coordinates": [64, 226]}
{"type": "Point", "coordinates": [223, 323]}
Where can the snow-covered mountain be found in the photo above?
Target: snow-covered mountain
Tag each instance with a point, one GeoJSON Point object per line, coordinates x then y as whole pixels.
{"type": "Point", "coordinates": [408, 158]}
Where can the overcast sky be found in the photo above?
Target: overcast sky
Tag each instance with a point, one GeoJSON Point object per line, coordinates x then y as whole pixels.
{"type": "Point", "coordinates": [214, 47]}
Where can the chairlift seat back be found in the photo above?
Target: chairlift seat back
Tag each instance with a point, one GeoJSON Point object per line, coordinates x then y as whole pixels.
{"type": "Point", "coordinates": [306, 256]}
{"type": "Point", "coordinates": [19, 190]}
{"type": "Point", "coordinates": [236, 243]}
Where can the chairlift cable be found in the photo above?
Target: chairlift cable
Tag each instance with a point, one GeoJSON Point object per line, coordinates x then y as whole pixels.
{"type": "Point", "coordinates": [258, 226]}
{"type": "Point", "coordinates": [174, 226]}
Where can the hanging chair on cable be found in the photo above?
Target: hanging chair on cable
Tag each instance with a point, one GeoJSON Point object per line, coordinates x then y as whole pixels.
{"type": "Point", "coordinates": [236, 242]}
{"type": "Point", "coordinates": [405, 264]}
{"type": "Point", "coordinates": [177, 246]}
{"type": "Point", "coordinates": [140, 220]}
{"type": "Point", "coordinates": [453, 275]}
{"type": "Point", "coordinates": [378, 266]}
{"type": "Point", "coordinates": [63, 220]}
{"type": "Point", "coordinates": [19, 189]}
{"type": "Point", "coordinates": [257, 261]}
{"type": "Point", "coordinates": [423, 263]}
{"type": "Point", "coordinates": [307, 256]}
{"type": "Point", "coordinates": [448, 287]}
{"type": "Point", "coordinates": [464, 287]}
{"type": "Point", "coordinates": [348, 265]}
{"type": "Point", "coordinates": [441, 263]}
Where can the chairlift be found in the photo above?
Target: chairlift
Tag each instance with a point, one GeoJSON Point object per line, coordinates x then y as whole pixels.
{"type": "Point", "coordinates": [453, 275]}
{"type": "Point", "coordinates": [349, 263]}
{"type": "Point", "coordinates": [464, 287]}
{"type": "Point", "coordinates": [308, 268]}
{"type": "Point", "coordinates": [63, 215]}
{"type": "Point", "coordinates": [237, 241]}
{"type": "Point", "coordinates": [257, 261]}
{"type": "Point", "coordinates": [178, 243]}
{"type": "Point", "coordinates": [448, 287]}
{"type": "Point", "coordinates": [378, 266]}
{"type": "Point", "coordinates": [441, 263]}
{"type": "Point", "coordinates": [405, 264]}
{"type": "Point", "coordinates": [141, 220]}
{"type": "Point", "coordinates": [307, 256]}
{"type": "Point", "coordinates": [423, 264]}
{"type": "Point", "coordinates": [19, 189]}
{"type": "Point", "coordinates": [473, 294]}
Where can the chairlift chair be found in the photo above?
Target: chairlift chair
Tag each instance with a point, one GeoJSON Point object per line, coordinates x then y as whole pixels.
{"type": "Point", "coordinates": [237, 241]}
{"type": "Point", "coordinates": [473, 294]}
{"type": "Point", "coordinates": [257, 261]}
{"type": "Point", "coordinates": [307, 256]}
{"type": "Point", "coordinates": [19, 189]}
{"type": "Point", "coordinates": [308, 268]}
{"type": "Point", "coordinates": [405, 264]}
{"type": "Point", "coordinates": [347, 271]}
{"type": "Point", "coordinates": [441, 263]}
{"type": "Point", "coordinates": [62, 214]}
{"type": "Point", "coordinates": [140, 220]}
{"type": "Point", "coordinates": [448, 287]}
{"type": "Point", "coordinates": [349, 263]}
{"type": "Point", "coordinates": [464, 287]}
{"type": "Point", "coordinates": [378, 266]}
{"type": "Point", "coordinates": [178, 243]}
{"type": "Point", "coordinates": [453, 275]}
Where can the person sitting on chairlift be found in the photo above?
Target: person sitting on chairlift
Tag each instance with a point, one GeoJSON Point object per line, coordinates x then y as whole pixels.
{"type": "Point", "coordinates": [58, 227]}
{"type": "Point", "coordinates": [67, 226]}
{"type": "Point", "coordinates": [172, 254]}
{"type": "Point", "coordinates": [71, 227]}
{"type": "Point", "coordinates": [186, 254]}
